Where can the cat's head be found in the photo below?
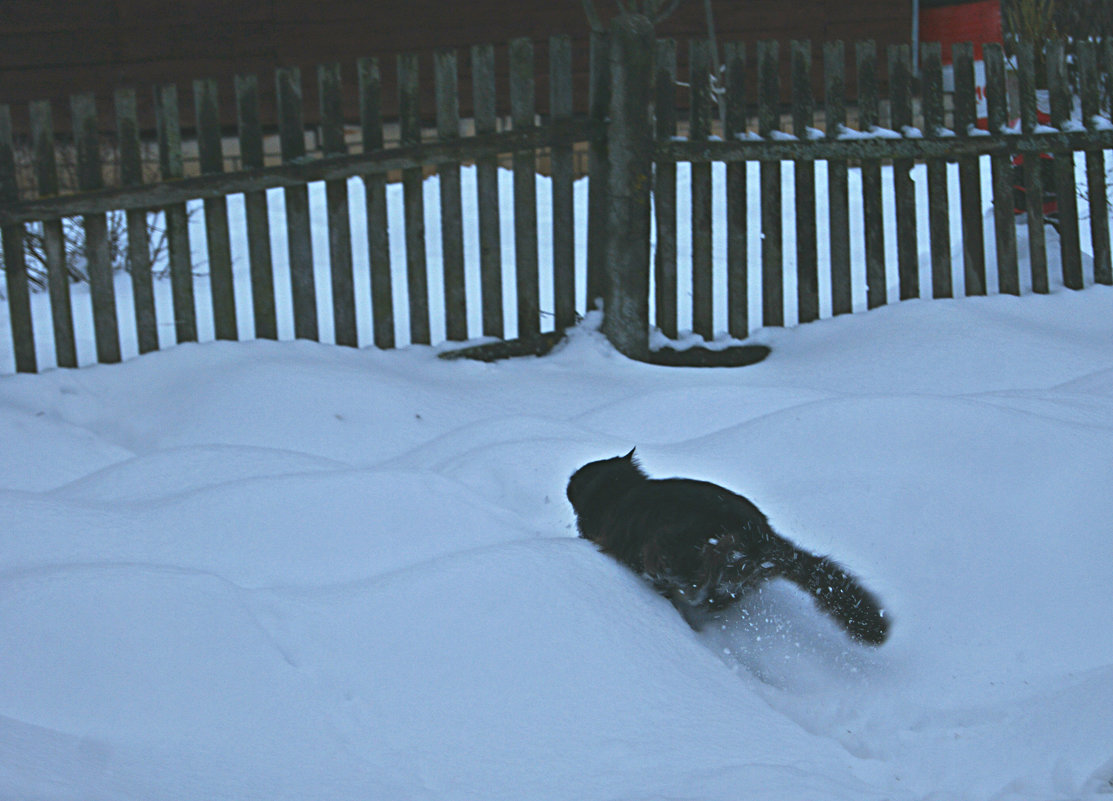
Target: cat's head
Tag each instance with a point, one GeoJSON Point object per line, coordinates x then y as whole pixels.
{"type": "Point", "coordinates": [594, 478]}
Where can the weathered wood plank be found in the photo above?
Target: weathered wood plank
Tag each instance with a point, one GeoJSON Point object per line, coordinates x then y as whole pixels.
{"type": "Point", "coordinates": [177, 217]}
{"type": "Point", "coordinates": [19, 297]}
{"type": "Point", "coordinates": [900, 101]}
{"type": "Point", "coordinates": [1033, 176]}
{"type": "Point", "coordinates": [664, 193]}
{"type": "Point", "coordinates": [102, 285]}
{"type": "Point", "coordinates": [880, 148]}
{"type": "Point", "coordinates": [57, 271]}
{"type": "Point", "coordinates": [291, 135]}
{"type": "Point", "coordinates": [699, 79]}
{"type": "Point", "coordinates": [939, 225]}
{"type": "Point", "coordinates": [139, 249]}
{"type": "Point", "coordinates": [599, 103]}
{"type": "Point", "coordinates": [15, 261]}
{"type": "Point", "coordinates": [378, 233]}
{"type": "Point", "coordinates": [873, 220]}
{"type": "Point", "coordinates": [969, 172]}
{"type": "Point", "coordinates": [487, 192]}
{"type": "Point", "coordinates": [838, 191]}
{"type": "Point", "coordinates": [1107, 71]}
{"type": "Point", "coordinates": [255, 208]}
{"type": "Point", "coordinates": [1065, 190]}
{"type": "Point", "coordinates": [380, 162]}
{"type": "Point", "coordinates": [1090, 78]}
{"type": "Point", "coordinates": [738, 285]}
{"type": "Point", "coordinates": [772, 247]}
{"type": "Point", "coordinates": [452, 221]}
{"type": "Point", "coordinates": [413, 200]}
{"type": "Point", "coordinates": [523, 164]}
{"type": "Point", "coordinates": [564, 243]}
{"type": "Point", "coordinates": [807, 253]}
{"type": "Point", "coordinates": [1004, 219]}
{"type": "Point", "coordinates": [336, 205]}
{"type": "Point", "coordinates": [217, 236]}
{"type": "Point", "coordinates": [249, 124]}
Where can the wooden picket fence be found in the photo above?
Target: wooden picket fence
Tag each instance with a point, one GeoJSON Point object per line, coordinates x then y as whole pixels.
{"type": "Point", "coordinates": [411, 156]}
{"type": "Point", "coordinates": [632, 162]}
{"type": "Point", "coordinates": [924, 137]}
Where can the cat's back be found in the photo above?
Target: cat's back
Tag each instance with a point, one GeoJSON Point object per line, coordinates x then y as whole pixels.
{"type": "Point", "coordinates": [669, 501]}
{"type": "Point", "coordinates": [703, 493]}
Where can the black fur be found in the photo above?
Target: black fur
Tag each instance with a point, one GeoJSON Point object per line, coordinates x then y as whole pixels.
{"type": "Point", "coordinates": [703, 546]}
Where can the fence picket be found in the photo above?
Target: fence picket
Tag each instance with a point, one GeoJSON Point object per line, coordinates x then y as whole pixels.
{"type": "Point", "coordinates": [598, 165]}
{"type": "Point", "coordinates": [452, 225]}
{"type": "Point", "coordinates": [139, 250]}
{"type": "Point", "coordinates": [1033, 176]}
{"type": "Point", "coordinates": [738, 292]}
{"type": "Point", "coordinates": [869, 118]}
{"type": "Point", "coordinates": [1063, 166]}
{"type": "Point", "coordinates": [15, 261]}
{"type": "Point", "coordinates": [900, 101]}
{"type": "Point", "coordinates": [664, 193]}
{"type": "Point", "coordinates": [699, 129]}
{"type": "Point", "coordinates": [522, 111]}
{"type": "Point", "coordinates": [291, 134]}
{"type": "Point", "coordinates": [255, 209]}
{"type": "Point", "coordinates": [336, 209]}
{"type": "Point", "coordinates": [772, 253]}
{"type": "Point", "coordinates": [102, 286]}
{"type": "Point", "coordinates": [838, 191]}
{"type": "Point", "coordinates": [217, 236]}
{"type": "Point", "coordinates": [1001, 169]}
{"type": "Point", "coordinates": [487, 192]}
{"type": "Point", "coordinates": [939, 224]}
{"type": "Point", "coordinates": [803, 117]}
{"type": "Point", "coordinates": [413, 198]}
{"type": "Point", "coordinates": [564, 245]}
{"type": "Point", "coordinates": [969, 172]}
{"type": "Point", "coordinates": [1095, 164]}
{"type": "Point", "coordinates": [378, 234]}
{"type": "Point", "coordinates": [177, 216]}
{"type": "Point", "coordinates": [54, 243]}
{"type": "Point", "coordinates": [1107, 71]}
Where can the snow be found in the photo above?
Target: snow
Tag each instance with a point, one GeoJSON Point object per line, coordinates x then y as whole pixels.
{"type": "Point", "coordinates": [287, 570]}
{"type": "Point", "coordinates": [874, 132]}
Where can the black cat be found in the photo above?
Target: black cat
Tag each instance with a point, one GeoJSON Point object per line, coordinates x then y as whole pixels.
{"type": "Point", "coordinates": [703, 546]}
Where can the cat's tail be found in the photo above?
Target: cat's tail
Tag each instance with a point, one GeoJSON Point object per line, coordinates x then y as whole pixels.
{"type": "Point", "coordinates": [839, 594]}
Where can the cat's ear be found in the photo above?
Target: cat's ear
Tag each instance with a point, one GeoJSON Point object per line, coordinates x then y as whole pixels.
{"type": "Point", "coordinates": [630, 456]}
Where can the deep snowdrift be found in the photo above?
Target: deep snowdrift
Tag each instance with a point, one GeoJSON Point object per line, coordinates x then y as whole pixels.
{"type": "Point", "coordinates": [287, 570]}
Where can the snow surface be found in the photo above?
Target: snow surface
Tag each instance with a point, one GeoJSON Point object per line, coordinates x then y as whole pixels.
{"type": "Point", "coordinates": [286, 570]}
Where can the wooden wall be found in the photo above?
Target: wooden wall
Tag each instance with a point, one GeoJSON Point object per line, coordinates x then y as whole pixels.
{"type": "Point", "coordinates": [50, 49]}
